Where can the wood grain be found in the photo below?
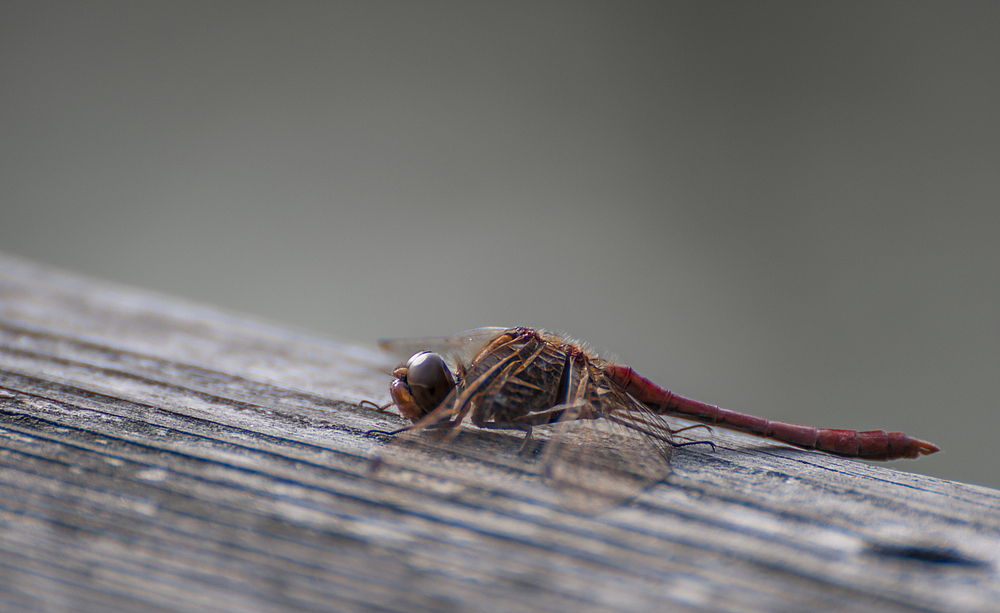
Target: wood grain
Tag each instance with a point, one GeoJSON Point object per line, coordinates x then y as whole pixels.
{"type": "Point", "coordinates": [161, 456]}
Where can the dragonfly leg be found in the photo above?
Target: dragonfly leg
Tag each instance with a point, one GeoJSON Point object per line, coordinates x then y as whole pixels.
{"type": "Point", "coordinates": [389, 432]}
{"type": "Point", "coordinates": [639, 426]}
{"type": "Point", "coordinates": [524, 443]}
{"type": "Point", "coordinates": [526, 428]}
{"type": "Point", "coordinates": [709, 443]}
{"type": "Point", "coordinates": [705, 426]}
{"type": "Point", "coordinates": [368, 404]}
{"type": "Point", "coordinates": [439, 425]}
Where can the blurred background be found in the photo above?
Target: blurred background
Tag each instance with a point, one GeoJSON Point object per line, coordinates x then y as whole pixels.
{"type": "Point", "coordinates": [783, 208]}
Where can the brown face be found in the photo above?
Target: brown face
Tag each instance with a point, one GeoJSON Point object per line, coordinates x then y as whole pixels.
{"type": "Point", "coordinates": [421, 385]}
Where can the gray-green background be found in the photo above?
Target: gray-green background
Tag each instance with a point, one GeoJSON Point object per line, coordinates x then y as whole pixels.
{"type": "Point", "coordinates": [789, 209]}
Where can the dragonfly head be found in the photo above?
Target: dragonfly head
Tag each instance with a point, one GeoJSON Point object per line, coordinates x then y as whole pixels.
{"type": "Point", "coordinates": [421, 385]}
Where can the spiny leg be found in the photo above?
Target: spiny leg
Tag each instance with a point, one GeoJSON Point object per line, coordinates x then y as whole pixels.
{"type": "Point", "coordinates": [640, 426]}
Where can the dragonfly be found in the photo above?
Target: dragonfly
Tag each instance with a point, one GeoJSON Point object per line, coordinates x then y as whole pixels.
{"type": "Point", "coordinates": [610, 439]}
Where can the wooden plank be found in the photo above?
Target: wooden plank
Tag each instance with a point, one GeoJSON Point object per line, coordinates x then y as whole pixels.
{"type": "Point", "coordinates": [162, 456]}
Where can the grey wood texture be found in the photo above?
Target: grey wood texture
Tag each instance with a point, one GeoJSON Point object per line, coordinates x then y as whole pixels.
{"type": "Point", "coordinates": [161, 456]}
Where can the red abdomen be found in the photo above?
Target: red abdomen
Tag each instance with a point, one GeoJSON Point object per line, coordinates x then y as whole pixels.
{"type": "Point", "coordinates": [870, 445]}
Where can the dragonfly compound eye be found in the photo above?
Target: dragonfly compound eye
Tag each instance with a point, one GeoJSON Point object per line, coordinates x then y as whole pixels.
{"type": "Point", "coordinates": [429, 380]}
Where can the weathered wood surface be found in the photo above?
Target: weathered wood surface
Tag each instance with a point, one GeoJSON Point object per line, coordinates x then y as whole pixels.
{"type": "Point", "coordinates": [159, 456]}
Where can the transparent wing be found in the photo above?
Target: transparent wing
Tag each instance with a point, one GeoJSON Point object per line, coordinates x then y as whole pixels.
{"type": "Point", "coordinates": [440, 446]}
{"type": "Point", "coordinates": [601, 463]}
{"type": "Point", "coordinates": [447, 418]}
{"type": "Point", "coordinates": [457, 349]}
{"type": "Point", "coordinates": [607, 447]}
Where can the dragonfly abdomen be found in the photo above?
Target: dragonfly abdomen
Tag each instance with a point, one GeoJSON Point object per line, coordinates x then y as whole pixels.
{"type": "Point", "coordinates": [869, 445]}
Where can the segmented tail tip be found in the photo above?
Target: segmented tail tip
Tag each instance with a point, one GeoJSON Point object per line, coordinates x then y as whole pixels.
{"type": "Point", "coordinates": [925, 448]}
